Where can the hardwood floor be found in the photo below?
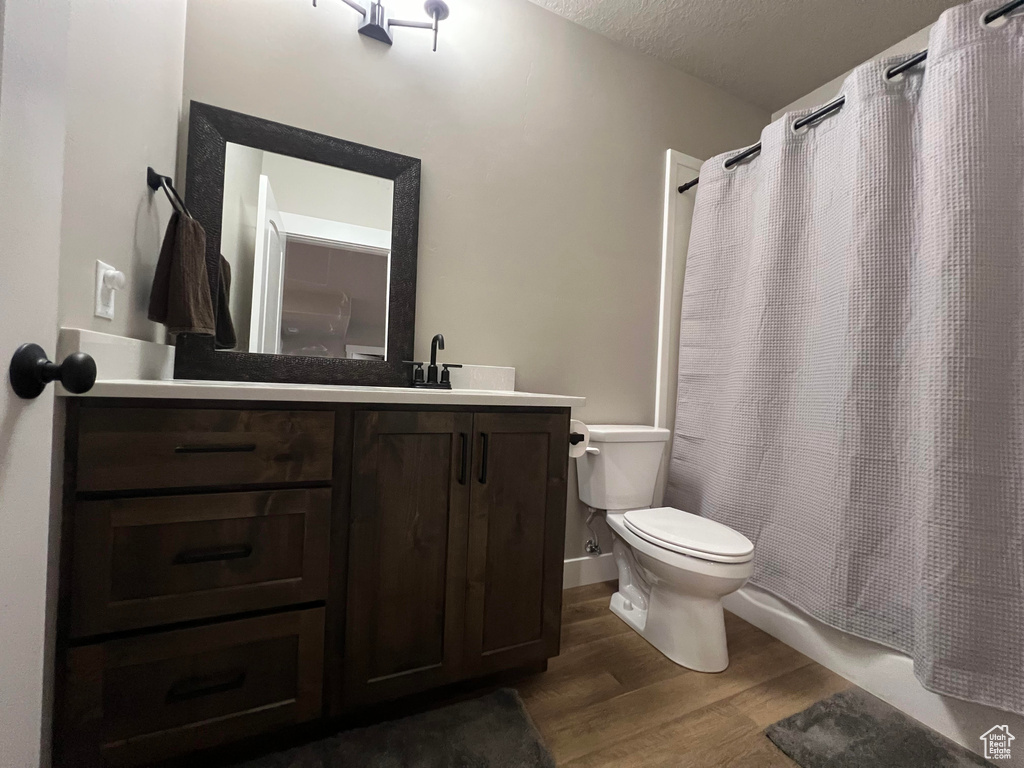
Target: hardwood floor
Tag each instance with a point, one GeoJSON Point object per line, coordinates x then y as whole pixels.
{"type": "Point", "coordinates": [611, 699]}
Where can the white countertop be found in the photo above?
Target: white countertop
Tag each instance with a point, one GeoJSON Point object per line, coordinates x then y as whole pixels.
{"type": "Point", "coordinates": [184, 389]}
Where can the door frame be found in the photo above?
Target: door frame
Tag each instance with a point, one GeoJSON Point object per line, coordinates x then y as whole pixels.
{"type": "Point", "coordinates": [266, 306]}
{"type": "Point", "coordinates": [33, 114]}
{"type": "Point", "coordinates": [679, 169]}
{"type": "Point", "coordinates": [310, 229]}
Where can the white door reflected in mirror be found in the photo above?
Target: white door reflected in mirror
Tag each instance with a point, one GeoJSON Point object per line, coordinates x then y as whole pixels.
{"type": "Point", "coordinates": [310, 253]}
{"type": "Point", "coordinates": [267, 273]}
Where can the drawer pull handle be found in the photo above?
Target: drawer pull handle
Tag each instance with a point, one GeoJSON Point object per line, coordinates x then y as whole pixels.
{"type": "Point", "coordinates": [217, 448]}
{"type": "Point", "coordinates": [465, 457]}
{"type": "Point", "coordinates": [212, 554]}
{"type": "Point", "coordinates": [485, 439]}
{"type": "Point", "coordinates": [205, 685]}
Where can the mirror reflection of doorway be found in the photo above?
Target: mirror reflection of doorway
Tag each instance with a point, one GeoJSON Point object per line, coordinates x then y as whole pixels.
{"type": "Point", "coordinates": [268, 273]}
{"type": "Point", "coordinates": [310, 252]}
{"type": "Point", "coordinates": [335, 301]}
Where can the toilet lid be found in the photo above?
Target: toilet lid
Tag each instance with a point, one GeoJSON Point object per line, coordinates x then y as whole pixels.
{"type": "Point", "coordinates": [689, 534]}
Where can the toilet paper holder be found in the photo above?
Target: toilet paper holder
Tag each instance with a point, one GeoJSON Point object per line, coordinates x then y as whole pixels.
{"type": "Point", "coordinates": [579, 440]}
{"type": "Point", "coordinates": [575, 438]}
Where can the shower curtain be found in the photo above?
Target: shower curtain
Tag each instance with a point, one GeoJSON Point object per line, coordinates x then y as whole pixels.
{"type": "Point", "coordinates": [851, 368]}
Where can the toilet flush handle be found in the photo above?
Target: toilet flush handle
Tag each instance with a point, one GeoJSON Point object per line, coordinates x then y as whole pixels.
{"type": "Point", "coordinates": [593, 451]}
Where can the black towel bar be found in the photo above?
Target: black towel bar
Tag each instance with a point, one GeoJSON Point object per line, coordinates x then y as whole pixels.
{"type": "Point", "coordinates": [158, 181]}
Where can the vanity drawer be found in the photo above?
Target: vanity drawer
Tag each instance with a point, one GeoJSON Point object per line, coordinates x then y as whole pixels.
{"type": "Point", "coordinates": [148, 698]}
{"type": "Point", "coordinates": [140, 562]}
{"type": "Point", "coordinates": [123, 449]}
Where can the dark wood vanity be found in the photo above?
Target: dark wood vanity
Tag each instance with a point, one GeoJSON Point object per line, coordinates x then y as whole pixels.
{"type": "Point", "coordinates": [234, 568]}
{"type": "Point", "coordinates": [230, 569]}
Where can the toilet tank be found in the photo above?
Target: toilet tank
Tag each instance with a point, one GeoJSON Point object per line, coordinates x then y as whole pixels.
{"type": "Point", "coordinates": [621, 474]}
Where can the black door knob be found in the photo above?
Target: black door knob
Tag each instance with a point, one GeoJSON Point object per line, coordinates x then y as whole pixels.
{"type": "Point", "coordinates": [31, 371]}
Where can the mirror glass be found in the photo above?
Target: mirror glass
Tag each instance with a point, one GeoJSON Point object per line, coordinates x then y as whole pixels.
{"type": "Point", "coordinates": [309, 249]}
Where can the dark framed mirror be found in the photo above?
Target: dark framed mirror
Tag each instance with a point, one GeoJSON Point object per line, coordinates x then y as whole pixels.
{"type": "Point", "coordinates": [320, 237]}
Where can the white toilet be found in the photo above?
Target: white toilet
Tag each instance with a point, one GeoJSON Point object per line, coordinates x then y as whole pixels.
{"type": "Point", "coordinates": [674, 567]}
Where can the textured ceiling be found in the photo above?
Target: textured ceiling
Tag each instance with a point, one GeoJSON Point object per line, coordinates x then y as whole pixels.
{"type": "Point", "coordinates": [767, 52]}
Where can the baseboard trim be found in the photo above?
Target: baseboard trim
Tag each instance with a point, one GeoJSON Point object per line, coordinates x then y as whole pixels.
{"type": "Point", "coordinates": [580, 571]}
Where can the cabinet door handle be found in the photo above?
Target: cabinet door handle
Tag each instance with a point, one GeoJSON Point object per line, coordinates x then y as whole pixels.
{"type": "Point", "coordinates": [205, 685]}
{"type": "Point", "coordinates": [217, 448]}
{"type": "Point", "coordinates": [211, 554]}
{"type": "Point", "coordinates": [485, 438]}
{"type": "Point", "coordinates": [465, 457]}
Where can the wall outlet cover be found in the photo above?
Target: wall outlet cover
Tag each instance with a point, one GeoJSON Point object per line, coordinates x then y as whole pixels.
{"type": "Point", "coordinates": [104, 295]}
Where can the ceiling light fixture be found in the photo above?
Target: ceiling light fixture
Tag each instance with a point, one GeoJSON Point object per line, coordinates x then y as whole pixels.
{"type": "Point", "coordinates": [377, 25]}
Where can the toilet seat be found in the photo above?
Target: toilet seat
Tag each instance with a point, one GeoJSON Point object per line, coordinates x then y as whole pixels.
{"type": "Point", "coordinates": [690, 535]}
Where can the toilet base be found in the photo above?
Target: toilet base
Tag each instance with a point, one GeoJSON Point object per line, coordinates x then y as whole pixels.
{"type": "Point", "coordinates": [674, 601]}
{"type": "Point", "coordinates": [688, 630]}
{"type": "Point", "coordinates": [629, 612]}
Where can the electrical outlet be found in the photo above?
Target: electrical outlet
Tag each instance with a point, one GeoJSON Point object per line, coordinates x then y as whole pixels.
{"type": "Point", "coordinates": [108, 281]}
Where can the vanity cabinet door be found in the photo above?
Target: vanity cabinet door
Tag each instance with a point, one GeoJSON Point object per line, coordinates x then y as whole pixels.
{"type": "Point", "coordinates": [516, 539]}
{"type": "Point", "coordinates": [407, 553]}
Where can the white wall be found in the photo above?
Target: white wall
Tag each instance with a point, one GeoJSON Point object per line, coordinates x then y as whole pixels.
{"type": "Point", "coordinates": [543, 161]}
{"type": "Point", "coordinates": [825, 93]}
{"type": "Point", "coordinates": [326, 192]}
{"type": "Point", "coordinates": [124, 91]}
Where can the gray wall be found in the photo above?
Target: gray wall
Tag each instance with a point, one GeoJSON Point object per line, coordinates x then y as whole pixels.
{"type": "Point", "coordinates": [543, 161]}
{"type": "Point", "coordinates": [124, 89]}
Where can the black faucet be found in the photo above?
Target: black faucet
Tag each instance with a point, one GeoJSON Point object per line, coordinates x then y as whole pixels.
{"type": "Point", "coordinates": [433, 382]}
{"type": "Point", "coordinates": [435, 344]}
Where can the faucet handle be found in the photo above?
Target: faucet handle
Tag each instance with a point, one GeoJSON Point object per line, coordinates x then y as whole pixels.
{"type": "Point", "coordinates": [417, 373]}
{"type": "Point", "coordinates": [446, 376]}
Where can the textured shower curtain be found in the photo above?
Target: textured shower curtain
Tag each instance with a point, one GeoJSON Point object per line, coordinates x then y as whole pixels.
{"type": "Point", "coordinates": [851, 369]}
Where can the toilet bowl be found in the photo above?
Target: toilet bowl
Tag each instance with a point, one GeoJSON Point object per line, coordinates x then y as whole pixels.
{"type": "Point", "coordinates": [673, 599]}
{"type": "Point", "coordinates": [674, 567]}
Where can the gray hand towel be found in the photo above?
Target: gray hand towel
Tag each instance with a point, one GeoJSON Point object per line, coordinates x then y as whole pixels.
{"type": "Point", "coordinates": [180, 298]}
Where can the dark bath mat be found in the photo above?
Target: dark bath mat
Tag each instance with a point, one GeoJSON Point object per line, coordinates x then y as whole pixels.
{"type": "Point", "coordinates": [490, 732]}
{"type": "Point", "coordinates": [853, 729]}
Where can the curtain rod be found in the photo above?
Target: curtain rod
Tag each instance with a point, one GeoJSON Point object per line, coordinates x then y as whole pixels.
{"type": "Point", "coordinates": [835, 106]}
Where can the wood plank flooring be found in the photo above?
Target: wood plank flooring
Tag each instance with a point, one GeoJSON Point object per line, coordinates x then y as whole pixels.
{"type": "Point", "coordinates": [611, 699]}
